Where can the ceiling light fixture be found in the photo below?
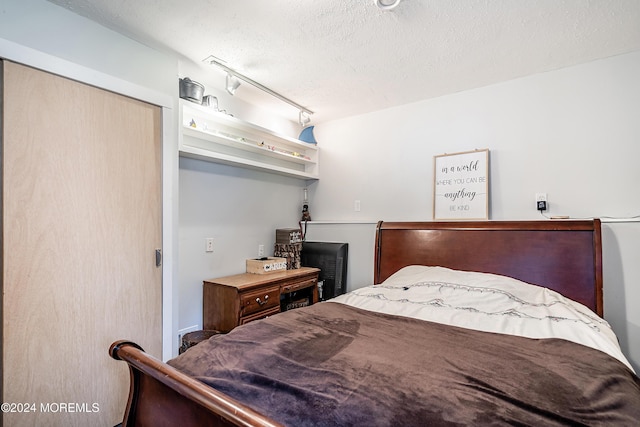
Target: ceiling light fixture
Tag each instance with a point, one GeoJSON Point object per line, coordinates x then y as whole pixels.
{"type": "Point", "coordinates": [304, 118]}
{"type": "Point", "coordinates": [386, 4]}
{"type": "Point", "coordinates": [232, 83]}
{"type": "Point", "coordinates": [234, 76]}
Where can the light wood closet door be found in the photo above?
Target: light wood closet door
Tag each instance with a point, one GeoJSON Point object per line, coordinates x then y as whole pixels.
{"type": "Point", "coordinates": [81, 209]}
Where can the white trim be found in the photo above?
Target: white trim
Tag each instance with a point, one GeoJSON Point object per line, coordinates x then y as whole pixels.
{"type": "Point", "coordinates": [602, 220]}
{"type": "Point", "coordinates": [346, 221]}
{"type": "Point", "coordinates": [52, 64]}
{"type": "Point", "coordinates": [612, 220]}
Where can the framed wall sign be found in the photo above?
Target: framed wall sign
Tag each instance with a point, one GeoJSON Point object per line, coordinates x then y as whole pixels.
{"type": "Point", "coordinates": [461, 185]}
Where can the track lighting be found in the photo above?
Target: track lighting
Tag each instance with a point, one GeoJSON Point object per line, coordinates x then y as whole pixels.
{"type": "Point", "coordinates": [232, 83]}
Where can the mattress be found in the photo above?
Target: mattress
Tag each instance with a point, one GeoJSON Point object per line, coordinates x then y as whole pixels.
{"type": "Point", "coordinates": [486, 302]}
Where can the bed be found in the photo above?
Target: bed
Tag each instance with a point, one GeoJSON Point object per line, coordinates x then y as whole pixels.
{"type": "Point", "coordinates": [467, 323]}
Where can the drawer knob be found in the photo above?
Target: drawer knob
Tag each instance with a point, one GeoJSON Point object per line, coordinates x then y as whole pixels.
{"type": "Point", "coordinates": [259, 301]}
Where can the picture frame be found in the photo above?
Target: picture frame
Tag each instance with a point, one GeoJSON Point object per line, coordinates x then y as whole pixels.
{"type": "Point", "coordinates": [461, 185]}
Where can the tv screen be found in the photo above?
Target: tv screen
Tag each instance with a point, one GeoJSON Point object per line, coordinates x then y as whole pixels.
{"type": "Point", "coordinates": [331, 259]}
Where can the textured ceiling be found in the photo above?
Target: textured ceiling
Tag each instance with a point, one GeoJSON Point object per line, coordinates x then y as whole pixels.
{"type": "Point", "coordinates": [346, 57]}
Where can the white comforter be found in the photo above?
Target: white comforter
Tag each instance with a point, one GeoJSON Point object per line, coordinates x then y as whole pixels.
{"type": "Point", "coordinates": [486, 302]}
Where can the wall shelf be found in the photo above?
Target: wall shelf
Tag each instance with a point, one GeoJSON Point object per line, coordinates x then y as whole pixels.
{"type": "Point", "coordinates": [217, 137]}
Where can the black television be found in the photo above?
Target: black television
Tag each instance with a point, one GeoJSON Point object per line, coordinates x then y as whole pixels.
{"type": "Point", "coordinates": [331, 259]}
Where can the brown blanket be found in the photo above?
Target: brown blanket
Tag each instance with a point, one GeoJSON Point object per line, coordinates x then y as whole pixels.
{"type": "Point", "coordinates": [335, 365]}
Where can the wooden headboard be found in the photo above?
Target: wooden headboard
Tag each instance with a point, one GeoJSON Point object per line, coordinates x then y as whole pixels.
{"type": "Point", "coordinates": [563, 255]}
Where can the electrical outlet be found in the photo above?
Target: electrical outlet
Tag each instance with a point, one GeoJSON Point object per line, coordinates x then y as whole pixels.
{"type": "Point", "coordinates": [209, 244]}
{"type": "Point", "coordinates": [541, 201]}
{"type": "Point", "coordinates": [260, 251]}
{"type": "Point", "coordinates": [356, 205]}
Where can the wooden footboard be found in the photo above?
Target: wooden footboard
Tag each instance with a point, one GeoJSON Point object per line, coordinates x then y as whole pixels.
{"type": "Point", "coordinates": [163, 396]}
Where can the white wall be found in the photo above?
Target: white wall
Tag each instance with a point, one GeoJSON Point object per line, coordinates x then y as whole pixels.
{"type": "Point", "coordinates": [621, 244]}
{"type": "Point", "coordinates": [573, 134]}
{"type": "Point", "coordinates": [240, 209]}
{"type": "Point", "coordinates": [46, 27]}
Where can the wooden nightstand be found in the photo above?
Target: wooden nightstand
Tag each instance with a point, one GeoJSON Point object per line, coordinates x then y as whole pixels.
{"type": "Point", "coordinates": [235, 300]}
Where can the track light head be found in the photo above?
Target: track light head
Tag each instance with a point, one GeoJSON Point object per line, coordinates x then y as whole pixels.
{"type": "Point", "coordinates": [304, 118]}
{"type": "Point", "coordinates": [232, 83]}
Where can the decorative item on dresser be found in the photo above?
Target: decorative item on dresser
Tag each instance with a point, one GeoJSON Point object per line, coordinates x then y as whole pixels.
{"type": "Point", "coordinates": [235, 300]}
{"type": "Point", "coordinates": [288, 245]}
{"type": "Point", "coordinates": [290, 252]}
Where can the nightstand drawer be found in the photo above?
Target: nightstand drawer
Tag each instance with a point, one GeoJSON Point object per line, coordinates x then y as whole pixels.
{"type": "Point", "coordinates": [298, 285]}
{"type": "Point", "coordinates": [252, 302]}
{"type": "Point", "coordinates": [260, 315]}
